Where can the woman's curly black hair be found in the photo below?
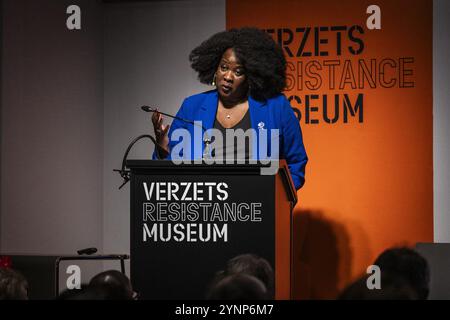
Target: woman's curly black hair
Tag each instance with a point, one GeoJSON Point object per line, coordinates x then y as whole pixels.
{"type": "Point", "coordinates": [261, 57]}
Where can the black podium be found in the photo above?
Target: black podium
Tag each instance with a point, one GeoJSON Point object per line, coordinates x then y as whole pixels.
{"type": "Point", "coordinates": [187, 220]}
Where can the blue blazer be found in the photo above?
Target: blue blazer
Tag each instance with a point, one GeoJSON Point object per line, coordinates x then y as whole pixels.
{"type": "Point", "coordinates": [273, 113]}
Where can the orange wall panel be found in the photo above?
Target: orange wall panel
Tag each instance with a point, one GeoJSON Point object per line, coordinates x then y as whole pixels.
{"type": "Point", "coordinates": [369, 181]}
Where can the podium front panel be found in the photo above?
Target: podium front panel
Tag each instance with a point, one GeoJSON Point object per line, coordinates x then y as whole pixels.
{"type": "Point", "coordinates": [185, 226]}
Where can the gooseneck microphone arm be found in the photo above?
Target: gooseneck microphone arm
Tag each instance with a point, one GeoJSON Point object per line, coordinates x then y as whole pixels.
{"type": "Point", "coordinates": [150, 109]}
{"type": "Point", "coordinates": [206, 140]}
{"type": "Point", "coordinates": [124, 172]}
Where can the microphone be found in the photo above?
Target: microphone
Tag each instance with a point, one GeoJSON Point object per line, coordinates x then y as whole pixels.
{"type": "Point", "coordinates": [87, 251]}
{"type": "Point", "coordinates": [148, 109]}
{"type": "Point", "coordinates": [206, 140]}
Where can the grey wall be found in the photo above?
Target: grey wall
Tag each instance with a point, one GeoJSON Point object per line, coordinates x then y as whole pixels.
{"type": "Point", "coordinates": [64, 128]}
{"type": "Point", "coordinates": [441, 119]}
{"type": "Point", "coordinates": [52, 128]}
{"type": "Point", "coordinates": [146, 62]}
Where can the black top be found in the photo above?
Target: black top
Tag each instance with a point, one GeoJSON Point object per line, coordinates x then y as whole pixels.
{"type": "Point", "coordinates": [241, 151]}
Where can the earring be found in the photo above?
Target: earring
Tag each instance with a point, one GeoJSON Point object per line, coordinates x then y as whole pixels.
{"type": "Point", "coordinates": [213, 83]}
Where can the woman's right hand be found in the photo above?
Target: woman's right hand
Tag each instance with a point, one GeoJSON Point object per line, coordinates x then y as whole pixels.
{"type": "Point", "coordinates": [161, 135]}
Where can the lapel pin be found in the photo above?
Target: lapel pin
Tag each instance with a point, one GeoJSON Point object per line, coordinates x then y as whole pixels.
{"type": "Point", "coordinates": [261, 125]}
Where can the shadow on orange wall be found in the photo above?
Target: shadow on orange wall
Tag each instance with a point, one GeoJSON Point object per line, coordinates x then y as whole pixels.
{"type": "Point", "coordinates": [322, 256]}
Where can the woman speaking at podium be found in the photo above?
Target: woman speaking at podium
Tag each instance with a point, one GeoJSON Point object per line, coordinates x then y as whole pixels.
{"type": "Point", "coordinates": [248, 72]}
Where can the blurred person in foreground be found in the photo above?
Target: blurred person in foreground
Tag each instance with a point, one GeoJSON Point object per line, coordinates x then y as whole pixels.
{"type": "Point", "coordinates": [13, 285]}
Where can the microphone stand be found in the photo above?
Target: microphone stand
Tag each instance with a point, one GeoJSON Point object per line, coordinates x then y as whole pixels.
{"type": "Point", "coordinates": [125, 173]}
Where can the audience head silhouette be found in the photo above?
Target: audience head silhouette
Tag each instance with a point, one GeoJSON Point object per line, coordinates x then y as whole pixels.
{"type": "Point", "coordinates": [408, 264]}
{"type": "Point", "coordinates": [13, 285]}
{"type": "Point", "coordinates": [111, 285]}
{"type": "Point", "coordinates": [247, 265]}
{"type": "Point", "coordinates": [253, 265]}
{"type": "Point", "coordinates": [238, 286]}
{"type": "Point", "coordinates": [405, 275]}
{"type": "Point", "coordinates": [392, 288]}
